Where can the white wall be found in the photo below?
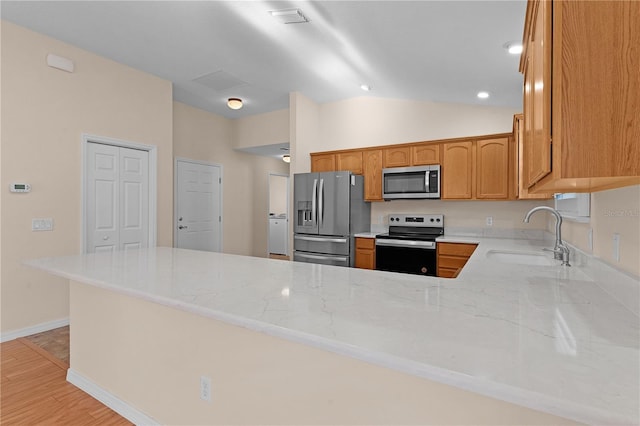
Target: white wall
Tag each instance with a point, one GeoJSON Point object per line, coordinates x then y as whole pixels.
{"type": "Point", "coordinates": [365, 121]}
{"type": "Point", "coordinates": [613, 211]}
{"type": "Point", "coordinates": [261, 129]}
{"type": "Point", "coordinates": [278, 186]}
{"type": "Point", "coordinates": [44, 113]}
{"type": "Point", "coordinates": [204, 136]}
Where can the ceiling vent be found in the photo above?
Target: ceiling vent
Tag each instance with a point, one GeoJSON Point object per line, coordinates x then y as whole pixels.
{"type": "Point", "coordinates": [289, 16]}
{"type": "Point", "coordinates": [219, 81]}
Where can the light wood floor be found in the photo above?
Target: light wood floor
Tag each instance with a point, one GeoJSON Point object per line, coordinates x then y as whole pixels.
{"type": "Point", "coordinates": [34, 390]}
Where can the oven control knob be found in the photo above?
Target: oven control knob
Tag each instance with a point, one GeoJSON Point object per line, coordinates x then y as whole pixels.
{"type": "Point", "coordinates": [438, 220]}
{"type": "Point", "coordinates": [432, 219]}
{"type": "Point", "coordinates": [391, 219]}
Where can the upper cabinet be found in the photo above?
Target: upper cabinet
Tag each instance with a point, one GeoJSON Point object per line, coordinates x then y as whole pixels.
{"type": "Point", "coordinates": [492, 168]}
{"type": "Point", "coordinates": [372, 159]}
{"type": "Point", "coordinates": [425, 154]}
{"type": "Point", "coordinates": [323, 162]}
{"type": "Point", "coordinates": [581, 95]}
{"type": "Point", "coordinates": [521, 189]}
{"type": "Point", "coordinates": [458, 170]}
{"type": "Point", "coordinates": [396, 157]}
{"type": "Point", "coordinates": [351, 161]}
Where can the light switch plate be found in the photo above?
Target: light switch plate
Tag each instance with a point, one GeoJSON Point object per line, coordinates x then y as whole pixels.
{"type": "Point", "coordinates": [45, 224]}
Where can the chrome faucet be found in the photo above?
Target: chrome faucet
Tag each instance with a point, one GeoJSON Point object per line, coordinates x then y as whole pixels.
{"type": "Point", "coordinates": [560, 251]}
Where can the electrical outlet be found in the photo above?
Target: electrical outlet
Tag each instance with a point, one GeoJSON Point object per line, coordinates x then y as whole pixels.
{"type": "Point", "coordinates": [616, 247]}
{"type": "Point", "coordinates": [205, 388]}
{"type": "Point", "coordinates": [489, 221]}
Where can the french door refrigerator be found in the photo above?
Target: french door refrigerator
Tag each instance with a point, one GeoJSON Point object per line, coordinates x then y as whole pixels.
{"type": "Point", "coordinates": [329, 208]}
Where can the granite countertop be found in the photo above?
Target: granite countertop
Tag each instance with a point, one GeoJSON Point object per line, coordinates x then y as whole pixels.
{"type": "Point", "coordinates": [545, 337]}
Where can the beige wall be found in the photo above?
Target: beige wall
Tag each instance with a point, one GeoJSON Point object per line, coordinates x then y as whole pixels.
{"type": "Point", "coordinates": [261, 129]}
{"type": "Point", "coordinates": [44, 113]}
{"type": "Point", "coordinates": [613, 211]}
{"type": "Point", "coordinates": [201, 135]}
{"type": "Point", "coordinates": [153, 356]}
{"type": "Point", "coordinates": [305, 127]}
{"type": "Point", "coordinates": [361, 122]}
{"type": "Point", "coordinates": [465, 214]}
{"type": "Point", "coordinates": [278, 186]}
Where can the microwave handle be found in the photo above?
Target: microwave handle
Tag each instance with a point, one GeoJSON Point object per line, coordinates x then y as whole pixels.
{"type": "Point", "coordinates": [426, 181]}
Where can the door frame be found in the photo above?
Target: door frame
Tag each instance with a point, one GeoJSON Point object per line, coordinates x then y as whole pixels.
{"type": "Point", "coordinates": [175, 196]}
{"type": "Point", "coordinates": [289, 228]}
{"type": "Point", "coordinates": [152, 151]}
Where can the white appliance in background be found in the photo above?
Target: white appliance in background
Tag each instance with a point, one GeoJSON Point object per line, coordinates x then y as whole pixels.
{"type": "Point", "coordinates": [278, 234]}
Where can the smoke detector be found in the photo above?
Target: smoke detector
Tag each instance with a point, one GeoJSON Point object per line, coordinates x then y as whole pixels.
{"type": "Point", "coordinates": [289, 16]}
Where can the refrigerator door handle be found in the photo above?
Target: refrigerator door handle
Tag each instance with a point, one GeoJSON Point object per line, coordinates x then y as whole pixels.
{"type": "Point", "coordinates": [313, 200]}
{"type": "Point", "coordinates": [321, 203]}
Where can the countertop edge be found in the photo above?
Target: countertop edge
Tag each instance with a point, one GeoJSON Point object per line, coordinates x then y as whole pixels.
{"type": "Point", "coordinates": [507, 393]}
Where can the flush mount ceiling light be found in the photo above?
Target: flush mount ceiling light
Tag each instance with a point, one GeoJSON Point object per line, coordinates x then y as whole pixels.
{"type": "Point", "coordinates": [513, 47]}
{"type": "Point", "coordinates": [365, 87]}
{"type": "Point", "coordinates": [234, 103]}
{"type": "Point", "coordinates": [289, 16]}
{"type": "Point", "coordinates": [286, 158]}
{"type": "Point", "coordinates": [483, 95]}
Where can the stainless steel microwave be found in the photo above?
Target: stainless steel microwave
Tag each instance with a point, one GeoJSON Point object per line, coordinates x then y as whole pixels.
{"type": "Point", "coordinates": [411, 182]}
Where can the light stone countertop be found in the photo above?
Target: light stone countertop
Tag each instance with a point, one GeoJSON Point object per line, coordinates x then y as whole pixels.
{"type": "Point", "coordinates": [545, 337]}
{"type": "Point", "coordinates": [366, 234]}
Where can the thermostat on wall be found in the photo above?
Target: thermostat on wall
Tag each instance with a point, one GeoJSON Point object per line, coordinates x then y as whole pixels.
{"type": "Point", "coordinates": [20, 187]}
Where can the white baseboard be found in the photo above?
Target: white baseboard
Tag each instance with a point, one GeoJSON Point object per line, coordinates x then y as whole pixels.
{"type": "Point", "coordinates": [38, 328]}
{"type": "Point", "coordinates": [116, 404]}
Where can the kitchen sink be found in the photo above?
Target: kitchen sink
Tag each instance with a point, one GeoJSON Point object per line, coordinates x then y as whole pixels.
{"type": "Point", "coordinates": [520, 257]}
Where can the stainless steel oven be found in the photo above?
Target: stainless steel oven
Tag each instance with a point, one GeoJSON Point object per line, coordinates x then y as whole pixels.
{"type": "Point", "coordinates": [410, 245]}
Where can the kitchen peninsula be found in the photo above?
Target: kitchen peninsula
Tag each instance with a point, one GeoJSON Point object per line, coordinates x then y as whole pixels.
{"type": "Point", "coordinates": [289, 342]}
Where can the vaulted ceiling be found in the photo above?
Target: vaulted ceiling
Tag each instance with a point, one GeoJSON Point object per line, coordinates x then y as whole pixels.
{"type": "Point", "coordinates": [442, 51]}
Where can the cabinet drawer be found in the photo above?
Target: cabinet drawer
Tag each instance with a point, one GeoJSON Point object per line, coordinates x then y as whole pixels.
{"type": "Point", "coordinates": [451, 262]}
{"type": "Point", "coordinates": [366, 243]}
{"type": "Point", "coordinates": [447, 272]}
{"type": "Point", "coordinates": [456, 249]}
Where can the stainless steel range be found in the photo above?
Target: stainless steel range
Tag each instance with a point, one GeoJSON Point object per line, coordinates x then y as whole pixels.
{"type": "Point", "coordinates": [410, 244]}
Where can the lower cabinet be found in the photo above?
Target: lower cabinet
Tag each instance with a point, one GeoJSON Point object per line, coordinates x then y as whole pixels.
{"type": "Point", "coordinates": [366, 253]}
{"type": "Point", "coordinates": [452, 257]}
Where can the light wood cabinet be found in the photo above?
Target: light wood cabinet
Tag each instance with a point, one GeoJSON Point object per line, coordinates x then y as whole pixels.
{"type": "Point", "coordinates": [451, 258]}
{"type": "Point", "coordinates": [372, 164]}
{"type": "Point", "coordinates": [457, 180]}
{"type": "Point", "coordinates": [323, 163]}
{"type": "Point", "coordinates": [492, 168]}
{"type": "Point", "coordinates": [425, 154]}
{"type": "Point", "coordinates": [581, 109]}
{"type": "Point", "coordinates": [365, 253]}
{"type": "Point", "coordinates": [522, 192]}
{"type": "Point", "coordinates": [351, 161]}
{"type": "Point", "coordinates": [396, 157]}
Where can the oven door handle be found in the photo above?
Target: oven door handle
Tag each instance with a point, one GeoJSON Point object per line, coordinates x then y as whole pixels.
{"type": "Point", "coordinates": [406, 243]}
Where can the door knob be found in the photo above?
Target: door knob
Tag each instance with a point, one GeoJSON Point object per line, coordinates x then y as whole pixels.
{"type": "Point", "coordinates": [182, 227]}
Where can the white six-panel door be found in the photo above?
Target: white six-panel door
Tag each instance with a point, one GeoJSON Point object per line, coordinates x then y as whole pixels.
{"type": "Point", "coordinates": [198, 206]}
{"type": "Point", "coordinates": [117, 198]}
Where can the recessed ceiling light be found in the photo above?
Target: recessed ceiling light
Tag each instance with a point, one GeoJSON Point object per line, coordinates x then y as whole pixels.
{"type": "Point", "coordinates": [365, 87]}
{"type": "Point", "coordinates": [234, 103]}
{"type": "Point", "coordinates": [513, 47]}
{"type": "Point", "coordinates": [483, 95]}
{"type": "Point", "coordinates": [289, 16]}
{"type": "Point", "coordinates": [286, 158]}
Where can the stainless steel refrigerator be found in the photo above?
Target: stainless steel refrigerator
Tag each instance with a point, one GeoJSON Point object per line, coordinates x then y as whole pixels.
{"type": "Point", "coordinates": [329, 208]}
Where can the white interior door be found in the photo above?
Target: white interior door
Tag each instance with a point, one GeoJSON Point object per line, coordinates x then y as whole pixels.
{"type": "Point", "coordinates": [198, 206]}
{"type": "Point", "coordinates": [117, 198]}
